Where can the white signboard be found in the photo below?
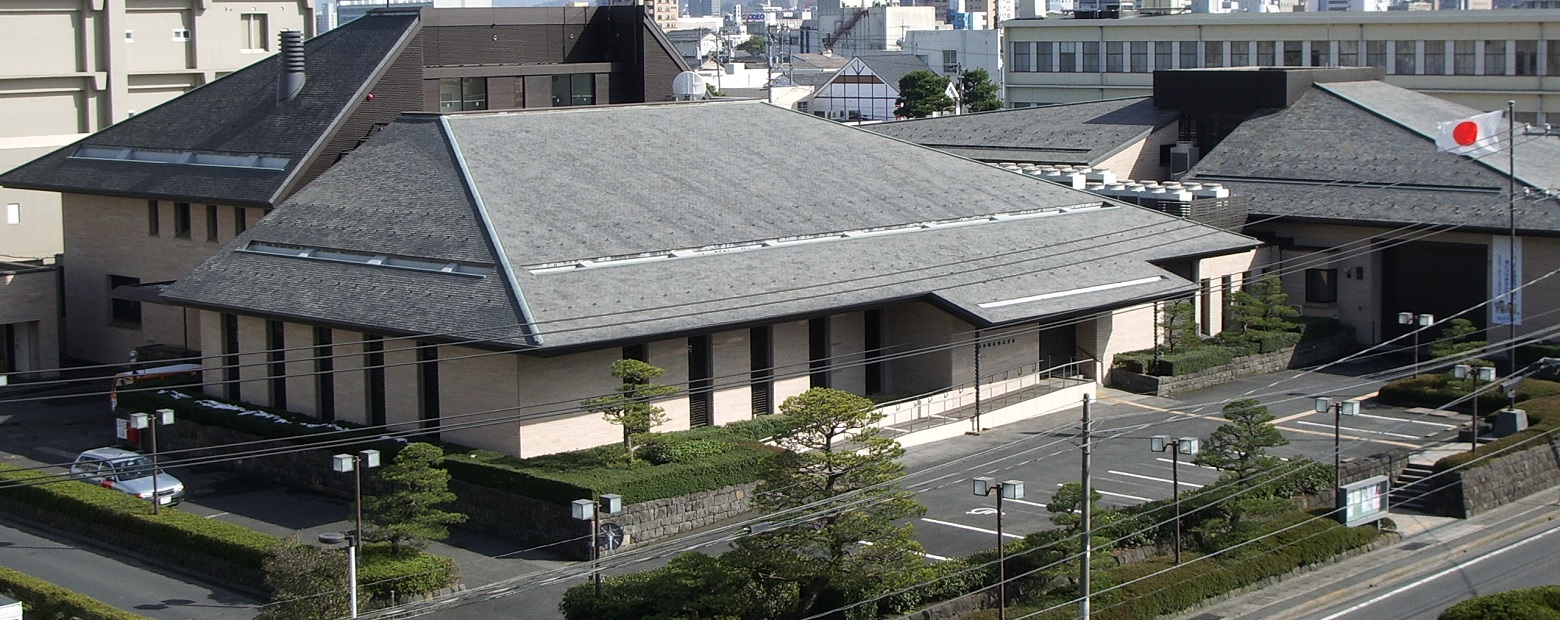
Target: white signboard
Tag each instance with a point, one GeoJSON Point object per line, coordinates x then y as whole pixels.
{"type": "Point", "coordinates": [1505, 270]}
{"type": "Point", "coordinates": [1364, 501]}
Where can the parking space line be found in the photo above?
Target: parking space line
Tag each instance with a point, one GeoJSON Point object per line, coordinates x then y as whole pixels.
{"type": "Point", "coordinates": [1361, 430]}
{"type": "Point", "coordinates": [1127, 473]}
{"type": "Point", "coordinates": [1402, 444]}
{"type": "Point", "coordinates": [924, 554]}
{"type": "Point", "coordinates": [1192, 464]}
{"type": "Point", "coordinates": [1382, 417]}
{"type": "Point", "coordinates": [1123, 495]}
{"type": "Point", "coordinates": [1025, 502]}
{"type": "Point", "coordinates": [969, 527]}
{"type": "Point", "coordinates": [227, 513]}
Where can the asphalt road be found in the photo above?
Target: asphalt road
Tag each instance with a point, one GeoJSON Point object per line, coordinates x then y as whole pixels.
{"type": "Point", "coordinates": [1516, 562]}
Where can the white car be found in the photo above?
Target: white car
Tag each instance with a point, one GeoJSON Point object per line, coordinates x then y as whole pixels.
{"type": "Point", "coordinates": [126, 472]}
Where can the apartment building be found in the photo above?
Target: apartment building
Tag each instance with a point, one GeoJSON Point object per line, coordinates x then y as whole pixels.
{"type": "Point", "coordinates": [1479, 59]}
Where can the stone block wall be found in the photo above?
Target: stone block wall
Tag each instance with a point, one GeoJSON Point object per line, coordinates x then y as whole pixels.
{"type": "Point", "coordinates": [1305, 354]}
{"type": "Point", "coordinates": [1506, 479]}
{"type": "Point", "coordinates": [523, 519]}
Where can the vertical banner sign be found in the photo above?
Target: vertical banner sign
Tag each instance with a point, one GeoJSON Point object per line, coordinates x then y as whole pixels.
{"type": "Point", "coordinates": [1505, 270]}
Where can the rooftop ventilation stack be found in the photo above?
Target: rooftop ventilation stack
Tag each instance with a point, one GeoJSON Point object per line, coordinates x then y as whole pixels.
{"type": "Point", "coordinates": [291, 79]}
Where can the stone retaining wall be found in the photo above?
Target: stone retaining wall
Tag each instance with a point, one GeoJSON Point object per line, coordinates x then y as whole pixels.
{"type": "Point", "coordinates": [1304, 354]}
{"type": "Point", "coordinates": [526, 520]}
{"type": "Point", "coordinates": [1506, 479]}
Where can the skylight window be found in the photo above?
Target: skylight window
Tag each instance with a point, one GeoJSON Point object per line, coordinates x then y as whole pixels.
{"type": "Point", "coordinates": [191, 158]}
{"type": "Point", "coordinates": [365, 258]}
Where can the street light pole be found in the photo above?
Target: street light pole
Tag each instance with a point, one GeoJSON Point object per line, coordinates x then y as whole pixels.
{"type": "Point", "coordinates": [1422, 321]}
{"type": "Point", "coordinates": [1011, 489]}
{"type": "Point", "coordinates": [590, 510]}
{"type": "Point", "coordinates": [150, 423]}
{"type": "Point", "coordinates": [1474, 374]}
{"type": "Point", "coordinates": [1339, 409]}
{"type": "Point", "coordinates": [1176, 447]}
{"type": "Point", "coordinates": [355, 463]}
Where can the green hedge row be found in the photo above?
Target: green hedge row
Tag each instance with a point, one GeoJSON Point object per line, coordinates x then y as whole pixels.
{"type": "Point", "coordinates": [43, 600]}
{"type": "Point", "coordinates": [224, 541]}
{"type": "Point", "coordinates": [111, 509]}
{"type": "Point", "coordinates": [1436, 390]}
{"type": "Point", "coordinates": [1203, 357]}
{"type": "Point", "coordinates": [383, 574]}
{"type": "Point", "coordinates": [1540, 603]}
{"type": "Point", "coordinates": [691, 461]}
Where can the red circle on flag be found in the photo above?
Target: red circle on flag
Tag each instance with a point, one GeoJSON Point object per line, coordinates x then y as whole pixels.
{"type": "Point", "coordinates": [1466, 133]}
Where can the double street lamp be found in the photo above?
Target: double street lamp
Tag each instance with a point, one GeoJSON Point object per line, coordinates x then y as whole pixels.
{"type": "Point", "coordinates": [591, 510]}
{"type": "Point", "coordinates": [1420, 322]}
{"type": "Point", "coordinates": [1010, 489]}
{"type": "Point", "coordinates": [1476, 374]}
{"type": "Point", "coordinates": [1339, 409]}
{"type": "Point", "coordinates": [355, 463]}
{"type": "Point", "coordinates": [1176, 447]}
{"type": "Point", "coordinates": [142, 421]}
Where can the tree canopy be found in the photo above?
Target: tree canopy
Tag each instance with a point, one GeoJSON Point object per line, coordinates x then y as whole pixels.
{"type": "Point", "coordinates": [922, 94]}
{"type": "Point", "coordinates": [1240, 446]}
{"type": "Point", "coordinates": [405, 514]}
{"type": "Point", "coordinates": [308, 582]}
{"type": "Point", "coordinates": [979, 92]}
{"type": "Point", "coordinates": [1264, 309]}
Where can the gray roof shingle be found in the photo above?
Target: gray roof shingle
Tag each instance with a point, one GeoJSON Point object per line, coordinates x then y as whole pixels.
{"type": "Point", "coordinates": [339, 63]}
{"type": "Point", "coordinates": [890, 67]}
{"type": "Point", "coordinates": [759, 234]}
{"type": "Point", "coordinates": [1365, 152]}
{"type": "Point", "coordinates": [1072, 133]}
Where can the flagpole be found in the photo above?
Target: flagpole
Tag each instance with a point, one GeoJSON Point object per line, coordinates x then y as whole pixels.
{"type": "Point", "coordinates": [1511, 247]}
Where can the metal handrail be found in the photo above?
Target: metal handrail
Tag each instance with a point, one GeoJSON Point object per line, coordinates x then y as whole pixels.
{"type": "Point", "coordinates": [961, 395]}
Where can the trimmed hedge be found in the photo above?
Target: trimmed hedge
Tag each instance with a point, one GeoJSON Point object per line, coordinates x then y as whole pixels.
{"type": "Point", "coordinates": [383, 573]}
{"type": "Point", "coordinates": [98, 506]}
{"type": "Point", "coordinates": [1543, 419]}
{"type": "Point", "coordinates": [1540, 603]}
{"type": "Point", "coordinates": [1436, 390]}
{"type": "Point", "coordinates": [546, 481]}
{"type": "Point", "coordinates": [42, 599]}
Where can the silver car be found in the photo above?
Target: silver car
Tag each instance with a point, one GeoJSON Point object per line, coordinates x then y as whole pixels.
{"type": "Point", "coordinates": [126, 472]}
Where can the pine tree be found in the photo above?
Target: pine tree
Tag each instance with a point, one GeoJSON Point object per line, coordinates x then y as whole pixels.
{"type": "Point", "coordinates": [979, 92]}
{"type": "Point", "coordinates": [1262, 311]}
{"type": "Point", "coordinates": [1179, 322]}
{"type": "Point", "coordinates": [1240, 447]}
{"type": "Point", "coordinates": [922, 94]}
{"type": "Point", "coordinates": [630, 407]}
{"type": "Point", "coordinates": [405, 515]}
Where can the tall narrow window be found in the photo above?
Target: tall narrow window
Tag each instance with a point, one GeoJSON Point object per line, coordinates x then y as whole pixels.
{"type": "Point", "coordinates": [1294, 54]}
{"type": "Point", "coordinates": [123, 312]}
{"type": "Point", "coordinates": [13, 213]}
{"type": "Point", "coordinates": [1164, 51]}
{"type": "Point", "coordinates": [211, 222]}
{"type": "Point", "coordinates": [1494, 58]}
{"type": "Point", "coordinates": [1188, 53]}
{"type": "Point", "coordinates": [1023, 56]}
{"type": "Point", "coordinates": [153, 219]}
{"type": "Point", "coordinates": [1067, 57]}
{"type": "Point", "coordinates": [1321, 54]}
{"type": "Point", "coordinates": [276, 355]}
{"type": "Point", "coordinates": [181, 220]}
{"type": "Point", "coordinates": [1045, 56]}
{"type": "Point", "coordinates": [700, 386]}
{"type": "Point", "coordinates": [1376, 54]}
{"type": "Point", "coordinates": [240, 220]}
{"type": "Point", "coordinates": [1527, 57]}
{"type": "Point", "coordinates": [374, 366]}
{"type": "Point", "coordinates": [950, 62]}
{"type": "Point", "coordinates": [1321, 286]}
{"type": "Point", "coordinates": [1405, 56]}
{"type": "Point", "coordinates": [1266, 54]}
{"type": "Point", "coordinates": [1463, 55]}
{"type": "Point", "coordinates": [1435, 57]}
{"type": "Point", "coordinates": [1213, 53]}
{"type": "Point", "coordinates": [818, 351]}
{"type": "Point", "coordinates": [1240, 53]}
{"type": "Point", "coordinates": [762, 361]}
{"type": "Point", "coordinates": [1348, 53]}
{"type": "Point", "coordinates": [1091, 56]}
{"type": "Point", "coordinates": [324, 374]}
{"type": "Point", "coordinates": [1138, 51]}
{"type": "Point", "coordinates": [428, 383]}
{"type": "Point", "coordinates": [1552, 57]}
{"type": "Point", "coordinates": [230, 356]}
{"type": "Point", "coordinates": [872, 343]}
{"type": "Point", "coordinates": [257, 36]}
{"type": "Point", "coordinates": [1115, 56]}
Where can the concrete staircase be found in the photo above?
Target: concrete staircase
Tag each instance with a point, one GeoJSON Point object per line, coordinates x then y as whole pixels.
{"type": "Point", "coordinates": [1411, 489]}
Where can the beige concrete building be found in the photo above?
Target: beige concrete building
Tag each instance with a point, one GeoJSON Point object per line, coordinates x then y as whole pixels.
{"type": "Point", "coordinates": [73, 67]}
{"type": "Point", "coordinates": [1478, 59]}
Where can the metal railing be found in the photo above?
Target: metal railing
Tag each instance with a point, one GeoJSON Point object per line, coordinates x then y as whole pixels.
{"type": "Point", "coordinates": [999, 389]}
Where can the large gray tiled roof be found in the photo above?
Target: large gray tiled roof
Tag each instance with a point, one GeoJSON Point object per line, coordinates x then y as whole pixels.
{"type": "Point", "coordinates": [1072, 133]}
{"type": "Point", "coordinates": [1365, 152]}
{"type": "Point", "coordinates": [890, 67]}
{"type": "Point", "coordinates": [758, 234]}
{"type": "Point", "coordinates": [235, 114]}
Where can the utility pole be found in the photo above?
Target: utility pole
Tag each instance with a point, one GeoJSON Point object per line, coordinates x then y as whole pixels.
{"type": "Point", "coordinates": [769, 64]}
{"type": "Point", "coordinates": [1086, 534]}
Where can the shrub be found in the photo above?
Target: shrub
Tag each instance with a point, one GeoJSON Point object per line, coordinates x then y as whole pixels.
{"type": "Point", "coordinates": [42, 599]}
{"type": "Point", "coordinates": [1540, 603]}
{"type": "Point", "coordinates": [111, 509]}
{"type": "Point", "coordinates": [383, 572]}
{"type": "Point", "coordinates": [1194, 360]}
{"type": "Point", "coordinates": [1316, 327]}
{"type": "Point", "coordinates": [1437, 390]}
{"type": "Point", "coordinates": [1543, 416]}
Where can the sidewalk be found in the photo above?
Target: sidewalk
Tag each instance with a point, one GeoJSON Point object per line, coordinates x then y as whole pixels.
{"type": "Point", "coordinates": [1427, 540]}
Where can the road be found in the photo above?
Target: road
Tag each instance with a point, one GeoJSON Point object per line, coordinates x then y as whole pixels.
{"type": "Point", "coordinates": [1515, 562]}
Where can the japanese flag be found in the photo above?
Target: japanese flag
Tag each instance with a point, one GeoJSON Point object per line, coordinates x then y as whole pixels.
{"type": "Point", "coordinates": [1474, 136]}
